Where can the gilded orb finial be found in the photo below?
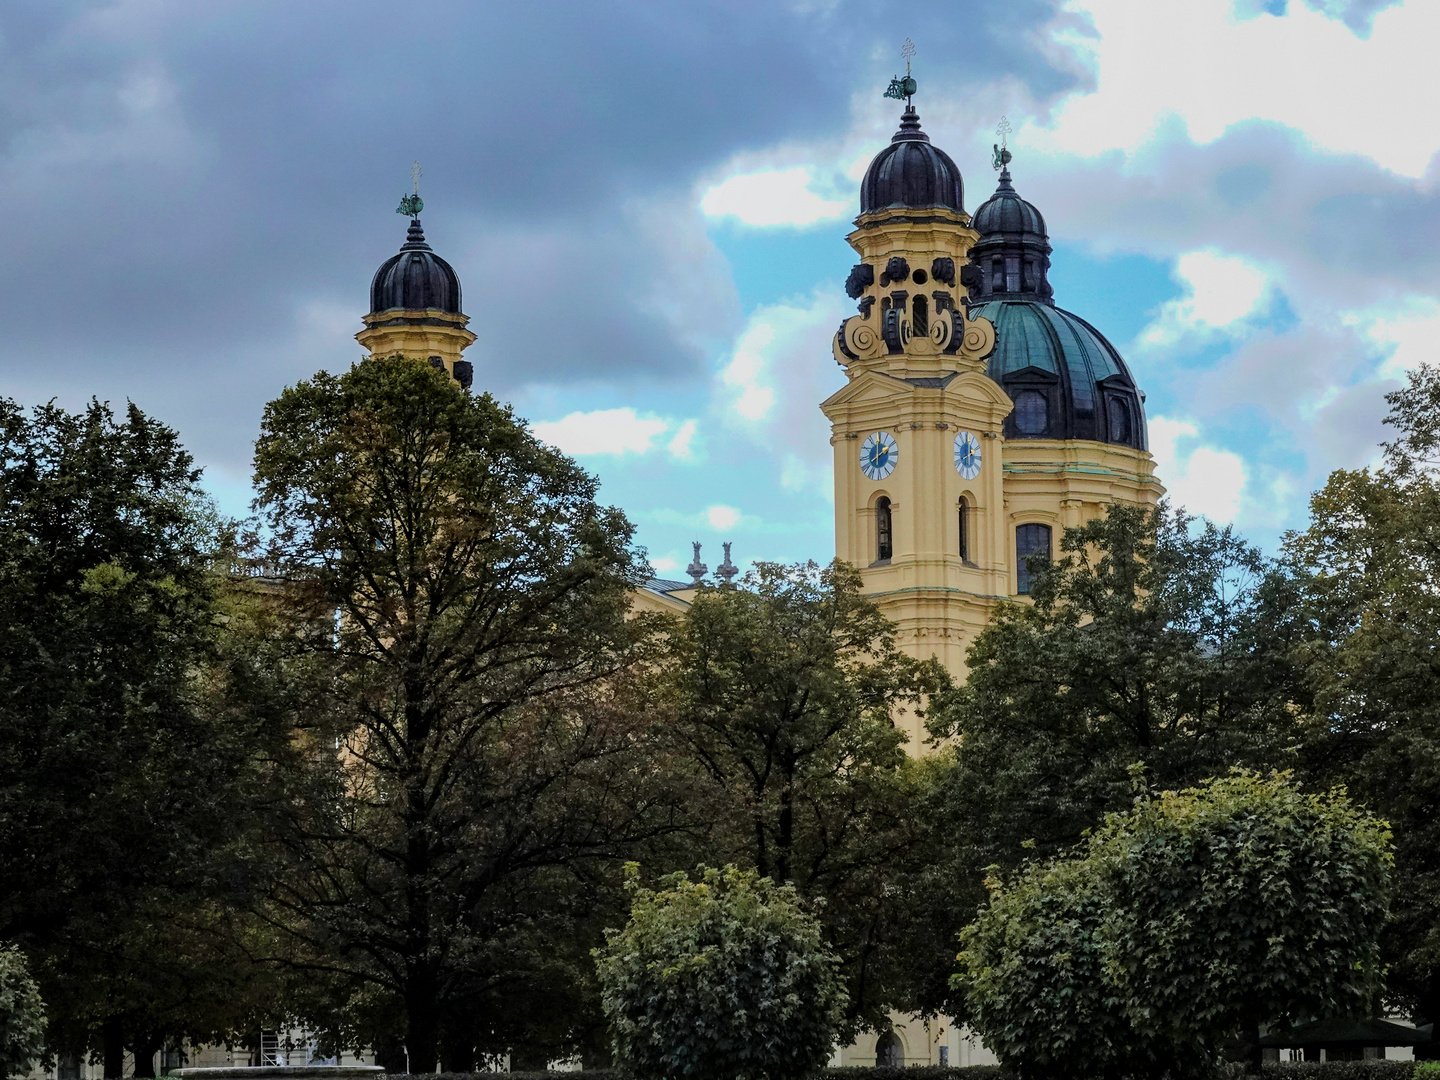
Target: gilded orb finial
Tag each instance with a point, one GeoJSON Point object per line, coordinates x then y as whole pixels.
{"type": "Point", "coordinates": [903, 88]}
{"type": "Point", "coordinates": [411, 204]}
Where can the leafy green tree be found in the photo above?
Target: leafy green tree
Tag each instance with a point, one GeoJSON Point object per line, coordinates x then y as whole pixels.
{"type": "Point", "coordinates": [1150, 639]}
{"type": "Point", "coordinates": [119, 789]}
{"type": "Point", "coordinates": [1179, 926]}
{"type": "Point", "coordinates": [725, 978]}
{"type": "Point", "coordinates": [783, 690]}
{"type": "Point", "coordinates": [22, 1015]}
{"type": "Point", "coordinates": [1369, 563]}
{"type": "Point", "coordinates": [454, 656]}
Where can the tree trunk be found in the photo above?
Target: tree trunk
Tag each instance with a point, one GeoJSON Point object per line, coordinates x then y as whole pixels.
{"type": "Point", "coordinates": [112, 1047]}
{"type": "Point", "coordinates": [146, 1047]}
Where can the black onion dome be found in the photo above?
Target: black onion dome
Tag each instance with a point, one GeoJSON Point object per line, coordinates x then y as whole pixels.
{"type": "Point", "coordinates": [1012, 256]}
{"type": "Point", "coordinates": [415, 279]}
{"type": "Point", "coordinates": [1007, 212]}
{"type": "Point", "coordinates": [911, 174]}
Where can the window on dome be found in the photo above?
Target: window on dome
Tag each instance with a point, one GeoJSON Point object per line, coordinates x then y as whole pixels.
{"type": "Point", "coordinates": [1120, 425]}
{"type": "Point", "coordinates": [1032, 413]}
{"type": "Point", "coordinates": [997, 274]}
{"type": "Point", "coordinates": [883, 545]}
{"type": "Point", "coordinates": [1031, 542]}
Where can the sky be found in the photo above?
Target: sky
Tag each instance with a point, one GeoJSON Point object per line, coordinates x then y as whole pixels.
{"type": "Point", "coordinates": [647, 204]}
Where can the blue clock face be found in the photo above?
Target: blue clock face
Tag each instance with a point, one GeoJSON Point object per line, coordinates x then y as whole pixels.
{"type": "Point", "coordinates": [878, 454]}
{"type": "Point", "coordinates": [967, 455]}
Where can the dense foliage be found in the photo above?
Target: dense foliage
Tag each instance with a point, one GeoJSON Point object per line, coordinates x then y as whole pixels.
{"type": "Point", "coordinates": [783, 691]}
{"type": "Point", "coordinates": [724, 978]}
{"type": "Point", "coordinates": [120, 789]}
{"type": "Point", "coordinates": [22, 1015]}
{"type": "Point", "coordinates": [1369, 563]}
{"type": "Point", "coordinates": [1194, 916]}
{"type": "Point", "coordinates": [454, 602]}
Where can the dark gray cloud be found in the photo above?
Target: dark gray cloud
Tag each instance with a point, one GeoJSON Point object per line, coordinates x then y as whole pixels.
{"type": "Point", "coordinates": [200, 192]}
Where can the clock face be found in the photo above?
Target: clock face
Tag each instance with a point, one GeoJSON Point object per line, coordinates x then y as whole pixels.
{"type": "Point", "coordinates": [878, 454]}
{"type": "Point", "coordinates": [967, 455]}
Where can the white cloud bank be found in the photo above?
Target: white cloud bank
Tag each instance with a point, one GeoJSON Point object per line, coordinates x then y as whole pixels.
{"type": "Point", "coordinates": [617, 433]}
{"type": "Point", "coordinates": [1221, 292]}
{"type": "Point", "coordinates": [1220, 68]}
{"type": "Point", "coordinates": [773, 197]}
{"type": "Point", "coordinates": [1202, 479]}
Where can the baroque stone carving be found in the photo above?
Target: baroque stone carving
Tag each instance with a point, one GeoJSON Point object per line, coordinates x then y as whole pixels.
{"type": "Point", "coordinates": [943, 269]}
{"type": "Point", "coordinates": [865, 305]}
{"type": "Point", "coordinates": [857, 339]}
{"type": "Point", "coordinates": [896, 270]}
{"type": "Point", "coordinates": [862, 276]}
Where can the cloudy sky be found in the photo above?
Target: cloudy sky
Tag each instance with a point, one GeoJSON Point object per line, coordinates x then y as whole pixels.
{"type": "Point", "coordinates": [647, 204]}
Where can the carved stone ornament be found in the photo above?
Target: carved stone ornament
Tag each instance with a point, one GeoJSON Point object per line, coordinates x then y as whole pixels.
{"type": "Point", "coordinates": [858, 339]}
{"type": "Point", "coordinates": [972, 339]}
{"type": "Point", "coordinates": [896, 270]}
{"type": "Point", "coordinates": [943, 269]}
{"type": "Point", "coordinates": [941, 331]}
{"type": "Point", "coordinates": [862, 276]}
{"type": "Point", "coordinates": [894, 331]}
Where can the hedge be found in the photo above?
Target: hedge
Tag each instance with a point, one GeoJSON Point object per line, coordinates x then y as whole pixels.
{"type": "Point", "coordinates": [1288, 1070]}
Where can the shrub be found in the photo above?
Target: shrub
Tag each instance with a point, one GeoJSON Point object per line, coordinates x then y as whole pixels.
{"type": "Point", "coordinates": [725, 978]}
{"type": "Point", "coordinates": [22, 1015]}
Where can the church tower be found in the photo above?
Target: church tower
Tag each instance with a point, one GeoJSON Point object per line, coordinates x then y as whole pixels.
{"type": "Point", "coordinates": [415, 305]}
{"type": "Point", "coordinates": [979, 420]}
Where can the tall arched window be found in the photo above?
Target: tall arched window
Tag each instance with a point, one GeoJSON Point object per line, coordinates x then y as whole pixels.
{"type": "Point", "coordinates": [1031, 542]}
{"type": "Point", "coordinates": [1032, 413]}
{"type": "Point", "coordinates": [920, 316]}
{"type": "Point", "coordinates": [964, 514]}
{"type": "Point", "coordinates": [883, 545]}
{"type": "Point", "coordinates": [1119, 416]}
{"type": "Point", "coordinates": [888, 1052]}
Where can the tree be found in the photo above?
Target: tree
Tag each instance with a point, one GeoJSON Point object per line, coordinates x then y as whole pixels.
{"type": "Point", "coordinates": [1180, 925]}
{"type": "Point", "coordinates": [22, 1015]}
{"type": "Point", "coordinates": [118, 788]}
{"type": "Point", "coordinates": [452, 612]}
{"type": "Point", "coordinates": [725, 978]}
{"type": "Point", "coordinates": [1151, 639]}
{"type": "Point", "coordinates": [783, 691]}
{"type": "Point", "coordinates": [1369, 564]}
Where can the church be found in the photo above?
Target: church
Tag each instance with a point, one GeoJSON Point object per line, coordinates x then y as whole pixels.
{"type": "Point", "coordinates": [979, 420]}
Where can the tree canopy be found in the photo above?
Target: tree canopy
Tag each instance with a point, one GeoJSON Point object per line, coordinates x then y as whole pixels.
{"type": "Point", "coordinates": [1182, 924]}
{"type": "Point", "coordinates": [724, 978]}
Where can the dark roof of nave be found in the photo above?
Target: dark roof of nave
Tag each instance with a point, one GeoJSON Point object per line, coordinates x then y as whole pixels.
{"type": "Point", "coordinates": [911, 174]}
{"type": "Point", "coordinates": [415, 279]}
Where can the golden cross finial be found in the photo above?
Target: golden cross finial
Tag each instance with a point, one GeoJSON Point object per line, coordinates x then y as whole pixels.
{"type": "Point", "coordinates": [1003, 129]}
{"type": "Point", "coordinates": [907, 51]}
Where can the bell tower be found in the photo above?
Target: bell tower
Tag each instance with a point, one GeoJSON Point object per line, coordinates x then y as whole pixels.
{"type": "Point", "coordinates": [415, 303]}
{"type": "Point", "coordinates": [917, 428]}
{"type": "Point", "coordinates": [979, 420]}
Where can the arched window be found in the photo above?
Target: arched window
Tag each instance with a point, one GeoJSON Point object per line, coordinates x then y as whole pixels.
{"type": "Point", "coordinates": [1119, 412]}
{"type": "Point", "coordinates": [883, 545]}
{"type": "Point", "coordinates": [964, 530]}
{"type": "Point", "coordinates": [1032, 413]}
{"type": "Point", "coordinates": [1031, 542]}
{"type": "Point", "coordinates": [997, 274]}
{"type": "Point", "coordinates": [888, 1052]}
{"type": "Point", "coordinates": [920, 316]}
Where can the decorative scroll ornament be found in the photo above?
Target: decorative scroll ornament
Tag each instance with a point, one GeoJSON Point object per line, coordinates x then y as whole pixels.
{"type": "Point", "coordinates": [974, 339]}
{"type": "Point", "coordinates": [858, 339]}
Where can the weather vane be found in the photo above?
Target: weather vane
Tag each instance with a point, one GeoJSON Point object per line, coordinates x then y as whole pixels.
{"type": "Point", "coordinates": [411, 203]}
{"type": "Point", "coordinates": [1002, 154]}
{"type": "Point", "coordinates": [903, 88]}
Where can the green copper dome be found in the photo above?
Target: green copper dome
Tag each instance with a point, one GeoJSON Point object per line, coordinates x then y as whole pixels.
{"type": "Point", "coordinates": [1066, 380]}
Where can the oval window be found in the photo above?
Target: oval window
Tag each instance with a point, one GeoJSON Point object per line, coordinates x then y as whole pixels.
{"type": "Point", "coordinates": [1032, 413]}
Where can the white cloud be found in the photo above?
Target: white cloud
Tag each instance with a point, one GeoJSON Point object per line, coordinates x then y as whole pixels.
{"type": "Point", "coordinates": [1221, 292]}
{"type": "Point", "coordinates": [681, 446]}
{"type": "Point", "coordinates": [722, 517]}
{"type": "Point", "coordinates": [1410, 329]}
{"type": "Point", "coordinates": [616, 432]}
{"type": "Point", "coordinates": [1206, 64]}
{"type": "Point", "coordinates": [773, 197]}
{"type": "Point", "coordinates": [1202, 479]}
